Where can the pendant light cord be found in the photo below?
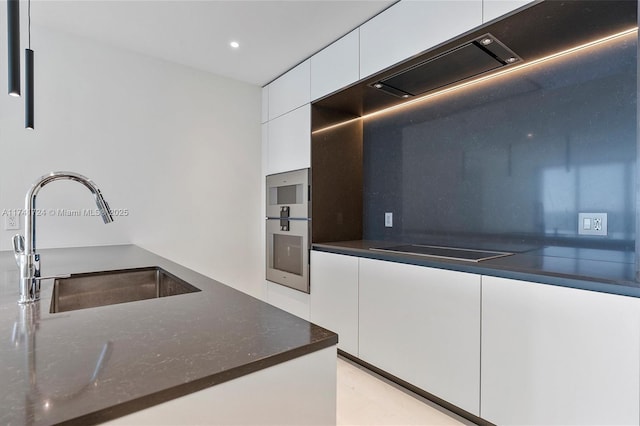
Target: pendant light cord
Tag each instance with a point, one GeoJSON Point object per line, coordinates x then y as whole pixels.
{"type": "Point", "coordinates": [29, 26]}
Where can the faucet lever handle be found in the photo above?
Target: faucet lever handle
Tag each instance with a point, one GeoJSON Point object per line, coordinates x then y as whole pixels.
{"type": "Point", "coordinates": [18, 244]}
{"type": "Point", "coordinates": [18, 247]}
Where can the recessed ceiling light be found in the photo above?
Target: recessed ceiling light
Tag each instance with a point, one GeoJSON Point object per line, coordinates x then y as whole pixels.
{"type": "Point", "coordinates": [234, 44]}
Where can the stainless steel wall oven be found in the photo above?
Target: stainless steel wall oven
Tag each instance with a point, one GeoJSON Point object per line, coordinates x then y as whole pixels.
{"type": "Point", "coordinates": [288, 229]}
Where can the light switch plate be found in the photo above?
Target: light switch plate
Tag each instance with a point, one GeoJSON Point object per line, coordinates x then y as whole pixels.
{"type": "Point", "coordinates": [592, 224]}
{"type": "Point", "coordinates": [11, 223]}
{"type": "Point", "coordinates": [388, 220]}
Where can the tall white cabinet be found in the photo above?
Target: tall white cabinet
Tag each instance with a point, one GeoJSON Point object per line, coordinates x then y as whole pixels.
{"type": "Point", "coordinates": [554, 355]}
{"type": "Point", "coordinates": [286, 145]}
{"type": "Point", "coordinates": [423, 326]}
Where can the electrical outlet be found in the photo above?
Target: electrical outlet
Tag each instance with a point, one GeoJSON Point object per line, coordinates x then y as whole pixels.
{"type": "Point", "coordinates": [388, 220]}
{"type": "Point", "coordinates": [11, 223]}
{"type": "Point", "coordinates": [592, 224]}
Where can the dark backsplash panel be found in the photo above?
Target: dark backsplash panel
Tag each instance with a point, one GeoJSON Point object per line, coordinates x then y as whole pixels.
{"type": "Point", "coordinates": [336, 183]}
{"type": "Point", "coordinates": [512, 159]}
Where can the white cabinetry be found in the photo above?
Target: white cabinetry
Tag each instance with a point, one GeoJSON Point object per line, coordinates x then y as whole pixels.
{"type": "Point", "coordinates": [297, 392]}
{"type": "Point", "coordinates": [412, 26]}
{"type": "Point", "coordinates": [265, 104]}
{"type": "Point", "coordinates": [554, 355]}
{"type": "Point", "coordinates": [289, 140]}
{"type": "Point", "coordinates": [335, 66]}
{"type": "Point", "coordinates": [423, 326]}
{"type": "Point", "coordinates": [290, 91]}
{"type": "Point", "coordinates": [334, 297]}
{"type": "Point", "coordinates": [293, 301]}
{"type": "Point", "coordinates": [494, 8]}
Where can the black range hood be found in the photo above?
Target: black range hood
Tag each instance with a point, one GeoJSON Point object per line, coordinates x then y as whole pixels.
{"type": "Point", "coordinates": [484, 54]}
{"type": "Point", "coordinates": [535, 31]}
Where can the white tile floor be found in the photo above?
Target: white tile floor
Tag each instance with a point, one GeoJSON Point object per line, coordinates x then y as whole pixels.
{"type": "Point", "coordinates": [364, 398]}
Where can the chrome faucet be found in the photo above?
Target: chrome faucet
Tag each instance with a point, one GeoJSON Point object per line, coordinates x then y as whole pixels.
{"type": "Point", "coordinates": [24, 247]}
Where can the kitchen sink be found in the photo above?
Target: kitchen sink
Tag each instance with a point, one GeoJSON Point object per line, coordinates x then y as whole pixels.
{"type": "Point", "coordinates": [81, 291]}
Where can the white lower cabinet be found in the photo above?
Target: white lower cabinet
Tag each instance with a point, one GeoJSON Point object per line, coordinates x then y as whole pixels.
{"type": "Point", "coordinates": [298, 392]}
{"type": "Point", "coordinates": [554, 355]}
{"type": "Point", "coordinates": [334, 297]}
{"type": "Point", "coordinates": [423, 326]}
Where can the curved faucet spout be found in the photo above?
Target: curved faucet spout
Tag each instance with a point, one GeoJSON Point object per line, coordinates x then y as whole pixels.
{"type": "Point", "coordinates": [25, 247]}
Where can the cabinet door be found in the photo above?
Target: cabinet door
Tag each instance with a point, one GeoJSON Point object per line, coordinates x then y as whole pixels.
{"type": "Point", "coordinates": [554, 355]}
{"type": "Point", "coordinates": [492, 9]}
{"type": "Point", "coordinates": [334, 297]}
{"type": "Point", "coordinates": [335, 66]}
{"type": "Point", "coordinates": [423, 326]}
{"type": "Point", "coordinates": [290, 90]}
{"type": "Point", "coordinates": [412, 26]}
{"type": "Point", "coordinates": [289, 146]}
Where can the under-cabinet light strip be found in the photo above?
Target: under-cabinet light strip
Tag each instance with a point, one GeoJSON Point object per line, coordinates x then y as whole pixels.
{"type": "Point", "coordinates": [482, 79]}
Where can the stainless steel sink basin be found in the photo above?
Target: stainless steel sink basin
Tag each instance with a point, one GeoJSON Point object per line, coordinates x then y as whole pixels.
{"type": "Point", "coordinates": [81, 291]}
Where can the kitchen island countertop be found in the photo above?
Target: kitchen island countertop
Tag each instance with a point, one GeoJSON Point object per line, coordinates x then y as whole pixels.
{"type": "Point", "coordinates": [93, 365]}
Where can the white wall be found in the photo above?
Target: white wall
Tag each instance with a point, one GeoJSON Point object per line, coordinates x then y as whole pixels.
{"type": "Point", "coordinates": [179, 148]}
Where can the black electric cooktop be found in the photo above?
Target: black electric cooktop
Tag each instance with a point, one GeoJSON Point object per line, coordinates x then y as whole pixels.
{"type": "Point", "coordinates": [454, 253]}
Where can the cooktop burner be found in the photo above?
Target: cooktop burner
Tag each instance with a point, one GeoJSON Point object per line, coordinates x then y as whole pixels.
{"type": "Point", "coordinates": [454, 253]}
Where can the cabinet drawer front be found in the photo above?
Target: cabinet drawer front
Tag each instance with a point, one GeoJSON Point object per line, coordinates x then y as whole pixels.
{"type": "Point", "coordinates": [423, 326]}
{"type": "Point", "coordinates": [556, 355]}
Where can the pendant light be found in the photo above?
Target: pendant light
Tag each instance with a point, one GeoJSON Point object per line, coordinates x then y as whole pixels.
{"type": "Point", "coordinates": [28, 77]}
{"type": "Point", "coordinates": [13, 39]}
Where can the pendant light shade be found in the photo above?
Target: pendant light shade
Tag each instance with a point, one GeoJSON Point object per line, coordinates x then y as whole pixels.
{"type": "Point", "coordinates": [13, 38]}
{"type": "Point", "coordinates": [28, 89]}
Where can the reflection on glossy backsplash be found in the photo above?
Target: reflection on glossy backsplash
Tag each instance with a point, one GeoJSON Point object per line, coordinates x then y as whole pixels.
{"type": "Point", "coordinates": [518, 156]}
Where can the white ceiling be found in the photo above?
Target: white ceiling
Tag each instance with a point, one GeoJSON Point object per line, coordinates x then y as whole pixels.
{"type": "Point", "coordinates": [273, 35]}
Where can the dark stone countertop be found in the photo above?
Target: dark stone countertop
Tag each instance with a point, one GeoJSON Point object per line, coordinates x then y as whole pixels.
{"type": "Point", "coordinates": [153, 350]}
{"type": "Point", "coordinates": [606, 271]}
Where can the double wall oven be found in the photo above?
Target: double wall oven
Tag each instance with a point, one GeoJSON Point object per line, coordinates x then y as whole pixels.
{"type": "Point", "coordinates": [288, 229]}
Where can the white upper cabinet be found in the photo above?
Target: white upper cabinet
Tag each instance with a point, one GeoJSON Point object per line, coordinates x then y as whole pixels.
{"type": "Point", "coordinates": [289, 141]}
{"type": "Point", "coordinates": [495, 8]}
{"type": "Point", "coordinates": [558, 356]}
{"type": "Point", "coordinates": [412, 26]}
{"type": "Point", "coordinates": [335, 66]}
{"type": "Point", "coordinates": [290, 91]}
